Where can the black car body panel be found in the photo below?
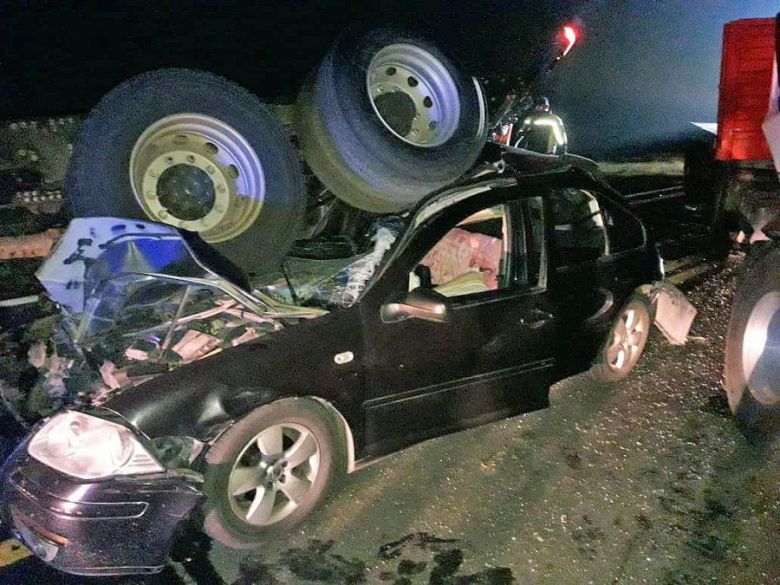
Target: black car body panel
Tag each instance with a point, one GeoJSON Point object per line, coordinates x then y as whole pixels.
{"type": "Point", "coordinates": [202, 398]}
{"type": "Point", "coordinates": [118, 526]}
{"type": "Point", "coordinates": [494, 353]}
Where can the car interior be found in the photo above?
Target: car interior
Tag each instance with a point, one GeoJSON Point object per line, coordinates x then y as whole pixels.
{"type": "Point", "coordinates": [470, 258]}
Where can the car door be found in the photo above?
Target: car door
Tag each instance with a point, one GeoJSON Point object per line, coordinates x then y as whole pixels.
{"type": "Point", "coordinates": [492, 357]}
{"type": "Point", "coordinates": [597, 259]}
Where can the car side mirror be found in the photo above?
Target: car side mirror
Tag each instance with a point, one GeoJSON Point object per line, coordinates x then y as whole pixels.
{"type": "Point", "coordinates": [421, 303]}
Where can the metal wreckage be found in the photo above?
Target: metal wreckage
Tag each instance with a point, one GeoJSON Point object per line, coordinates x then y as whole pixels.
{"type": "Point", "coordinates": [138, 299]}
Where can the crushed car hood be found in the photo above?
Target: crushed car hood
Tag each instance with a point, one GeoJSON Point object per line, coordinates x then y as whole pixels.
{"type": "Point", "coordinates": [139, 299]}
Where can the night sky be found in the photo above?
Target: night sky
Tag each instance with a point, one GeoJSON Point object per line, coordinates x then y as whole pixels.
{"type": "Point", "coordinates": [645, 69]}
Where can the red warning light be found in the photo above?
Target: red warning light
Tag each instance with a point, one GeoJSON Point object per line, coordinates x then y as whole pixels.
{"type": "Point", "coordinates": [570, 35]}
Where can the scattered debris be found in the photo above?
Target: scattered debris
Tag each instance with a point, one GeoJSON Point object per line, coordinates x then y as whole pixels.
{"type": "Point", "coordinates": [34, 246]}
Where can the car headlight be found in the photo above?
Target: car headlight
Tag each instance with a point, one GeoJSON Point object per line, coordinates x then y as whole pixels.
{"type": "Point", "coordinates": [88, 447]}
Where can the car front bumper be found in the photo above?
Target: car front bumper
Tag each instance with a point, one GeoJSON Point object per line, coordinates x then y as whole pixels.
{"type": "Point", "coordinates": [111, 527]}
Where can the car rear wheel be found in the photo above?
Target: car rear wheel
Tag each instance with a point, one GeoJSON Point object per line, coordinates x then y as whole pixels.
{"type": "Point", "coordinates": [752, 364]}
{"type": "Point", "coordinates": [195, 151]}
{"type": "Point", "coordinates": [269, 471]}
{"type": "Point", "coordinates": [388, 118]}
{"type": "Point", "coordinates": [625, 343]}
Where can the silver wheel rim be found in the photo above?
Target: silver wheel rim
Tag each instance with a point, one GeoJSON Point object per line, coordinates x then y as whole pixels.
{"type": "Point", "coordinates": [628, 336]}
{"type": "Point", "coordinates": [414, 95]}
{"type": "Point", "coordinates": [274, 474]}
{"type": "Point", "coordinates": [761, 350]}
{"type": "Point", "coordinates": [197, 173]}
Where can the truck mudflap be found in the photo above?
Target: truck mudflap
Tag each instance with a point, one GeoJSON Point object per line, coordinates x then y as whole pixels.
{"type": "Point", "coordinates": [674, 314]}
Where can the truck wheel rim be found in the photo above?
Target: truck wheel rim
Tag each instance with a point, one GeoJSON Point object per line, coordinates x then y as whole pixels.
{"type": "Point", "coordinates": [628, 336]}
{"type": "Point", "coordinates": [197, 173]}
{"type": "Point", "coordinates": [761, 350]}
{"type": "Point", "coordinates": [274, 474]}
{"type": "Point", "coordinates": [414, 95]}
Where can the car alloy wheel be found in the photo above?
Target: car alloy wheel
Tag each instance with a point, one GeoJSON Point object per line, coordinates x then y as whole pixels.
{"type": "Point", "coordinates": [625, 342]}
{"type": "Point", "coordinates": [274, 474]}
{"type": "Point", "coordinates": [628, 339]}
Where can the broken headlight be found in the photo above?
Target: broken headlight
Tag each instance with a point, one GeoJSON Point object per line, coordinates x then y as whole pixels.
{"type": "Point", "coordinates": [88, 447]}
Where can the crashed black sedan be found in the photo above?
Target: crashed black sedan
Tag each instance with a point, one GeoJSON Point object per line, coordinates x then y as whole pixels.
{"type": "Point", "coordinates": [240, 406]}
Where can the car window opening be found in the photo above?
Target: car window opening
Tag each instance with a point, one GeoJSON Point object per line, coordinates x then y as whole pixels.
{"type": "Point", "coordinates": [471, 258]}
{"type": "Point", "coordinates": [579, 231]}
{"type": "Point", "coordinates": [336, 283]}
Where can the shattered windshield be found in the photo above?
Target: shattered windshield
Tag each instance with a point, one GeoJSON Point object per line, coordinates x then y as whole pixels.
{"type": "Point", "coordinates": [336, 283]}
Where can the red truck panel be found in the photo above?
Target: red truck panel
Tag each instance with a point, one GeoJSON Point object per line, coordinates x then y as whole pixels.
{"type": "Point", "coordinates": [745, 82]}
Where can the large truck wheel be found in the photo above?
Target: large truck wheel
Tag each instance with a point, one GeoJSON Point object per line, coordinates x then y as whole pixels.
{"type": "Point", "coordinates": [753, 345]}
{"type": "Point", "coordinates": [195, 151]}
{"type": "Point", "coordinates": [388, 118]}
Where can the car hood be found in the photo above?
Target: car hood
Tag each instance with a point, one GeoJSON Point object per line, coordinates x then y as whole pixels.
{"type": "Point", "coordinates": [204, 397]}
{"type": "Point", "coordinates": [139, 299]}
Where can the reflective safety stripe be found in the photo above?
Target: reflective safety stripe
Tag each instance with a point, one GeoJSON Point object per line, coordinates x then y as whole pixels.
{"type": "Point", "coordinates": [12, 551]}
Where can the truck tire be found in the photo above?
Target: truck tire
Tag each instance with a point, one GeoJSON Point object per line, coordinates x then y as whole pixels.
{"type": "Point", "coordinates": [752, 363]}
{"type": "Point", "coordinates": [388, 118]}
{"type": "Point", "coordinates": [195, 151]}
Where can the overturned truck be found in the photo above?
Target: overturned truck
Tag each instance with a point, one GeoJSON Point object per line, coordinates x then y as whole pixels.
{"type": "Point", "coordinates": [398, 106]}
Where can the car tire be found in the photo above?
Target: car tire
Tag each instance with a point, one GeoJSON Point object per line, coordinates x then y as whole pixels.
{"type": "Point", "coordinates": [387, 118]}
{"type": "Point", "coordinates": [752, 372]}
{"type": "Point", "coordinates": [625, 343]}
{"type": "Point", "coordinates": [173, 131]}
{"type": "Point", "coordinates": [228, 514]}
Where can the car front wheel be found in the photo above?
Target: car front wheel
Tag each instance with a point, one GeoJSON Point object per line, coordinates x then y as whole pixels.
{"type": "Point", "coordinates": [269, 471]}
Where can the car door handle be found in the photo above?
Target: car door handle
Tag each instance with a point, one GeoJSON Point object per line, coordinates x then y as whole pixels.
{"type": "Point", "coordinates": [535, 318]}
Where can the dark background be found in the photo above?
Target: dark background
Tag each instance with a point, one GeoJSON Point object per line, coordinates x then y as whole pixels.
{"type": "Point", "coordinates": [645, 68]}
{"type": "Point", "coordinates": [60, 57]}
